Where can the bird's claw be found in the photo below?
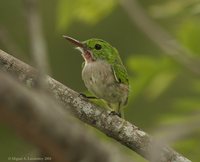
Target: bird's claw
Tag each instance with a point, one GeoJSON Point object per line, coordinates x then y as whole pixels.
{"type": "Point", "coordinates": [88, 97]}
{"type": "Point", "coordinates": [115, 113]}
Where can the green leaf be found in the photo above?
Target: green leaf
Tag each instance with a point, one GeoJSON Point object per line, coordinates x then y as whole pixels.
{"type": "Point", "coordinates": [151, 76]}
{"type": "Point", "coordinates": [86, 11]}
{"type": "Point", "coordinates": [159, 84]}
{"type": "Point", "coordinates": [189, 35]}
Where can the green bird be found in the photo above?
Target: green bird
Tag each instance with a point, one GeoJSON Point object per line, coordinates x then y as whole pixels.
{"type": "Point", "coordinates": [103, 72]}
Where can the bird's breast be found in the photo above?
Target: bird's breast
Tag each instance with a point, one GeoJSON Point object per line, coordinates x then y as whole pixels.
{"type": "Point", "coordinates": [98, 76]}
{"type": "Point", "coordinates": [99, 79]}
{"type": "Point", "coordinates": [97, 72]}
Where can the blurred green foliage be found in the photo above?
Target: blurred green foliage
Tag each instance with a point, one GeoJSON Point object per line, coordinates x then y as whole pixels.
{"type": "Point", "coordinates": [151, 72]}
{"type": "Point", "coordinates": [82, 10]}
{"type": "Point", "coordinates": [163, 92]}
{"type": "Point", "coordinates": [189, 35]}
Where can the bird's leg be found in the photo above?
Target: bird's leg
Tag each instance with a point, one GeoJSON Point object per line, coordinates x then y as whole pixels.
{"type": "Point", "coordinates": [120, 110]}
{"type": "Point", "coordinates": [88, 97]}
{"type": "Point", "coordinates": [113, 112]}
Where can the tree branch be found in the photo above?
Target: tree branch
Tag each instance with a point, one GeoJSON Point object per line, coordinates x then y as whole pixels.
{"type": "Point", "coordinates": [42, 121]}
{"type": "Point", "coordinates": [113, 126]}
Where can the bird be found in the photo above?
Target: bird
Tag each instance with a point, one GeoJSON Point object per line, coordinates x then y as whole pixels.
{"type": "Point", "coordinates": [103, 73]}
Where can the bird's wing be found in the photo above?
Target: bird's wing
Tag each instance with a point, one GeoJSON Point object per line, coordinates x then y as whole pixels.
{"type": "Point", "coordinates": [120, 73]}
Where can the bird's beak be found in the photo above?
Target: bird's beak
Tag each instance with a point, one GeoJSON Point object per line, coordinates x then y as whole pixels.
{"type": "Point", "coordinates": [75, 42]}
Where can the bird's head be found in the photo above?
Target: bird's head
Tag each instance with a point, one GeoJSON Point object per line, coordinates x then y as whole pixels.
{"type": "Point", "coordinates": [94, 49]}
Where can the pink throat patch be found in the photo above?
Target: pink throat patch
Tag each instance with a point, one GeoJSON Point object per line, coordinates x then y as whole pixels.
{"type": "Point", "coordinates": [88, 56]}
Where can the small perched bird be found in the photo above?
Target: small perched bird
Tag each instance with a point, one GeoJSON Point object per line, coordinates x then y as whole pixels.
{"type": "Point", "coordinates": [103, 72]}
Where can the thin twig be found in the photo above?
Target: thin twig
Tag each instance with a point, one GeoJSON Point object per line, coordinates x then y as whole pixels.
{"type": "Point", "coordinates": [113, 126]}
{"type": "Point", "coordinates": [37, 40]}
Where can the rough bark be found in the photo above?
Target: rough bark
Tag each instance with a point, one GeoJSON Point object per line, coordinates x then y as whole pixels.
{"type": "Point", "coordinates": [38, 118]}
{"type": "Point", "coordinates": [123, 131]}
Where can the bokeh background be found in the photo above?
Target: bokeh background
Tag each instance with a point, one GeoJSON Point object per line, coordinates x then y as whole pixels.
{"type": "Point", "coordinates": [165, 94]}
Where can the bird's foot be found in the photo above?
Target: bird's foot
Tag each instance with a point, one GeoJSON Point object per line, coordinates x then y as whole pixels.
{"type": "Point", "coordinates": [115, 113]}
{"type": "Point", "coordinates": [88, 97]}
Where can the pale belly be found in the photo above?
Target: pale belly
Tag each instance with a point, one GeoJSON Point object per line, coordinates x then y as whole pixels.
{"type": "Point", "coordinates": [99, 80]}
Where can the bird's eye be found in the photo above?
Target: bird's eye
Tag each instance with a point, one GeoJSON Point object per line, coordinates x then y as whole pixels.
{"type": "Point", "coordinates": [97, 46]}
